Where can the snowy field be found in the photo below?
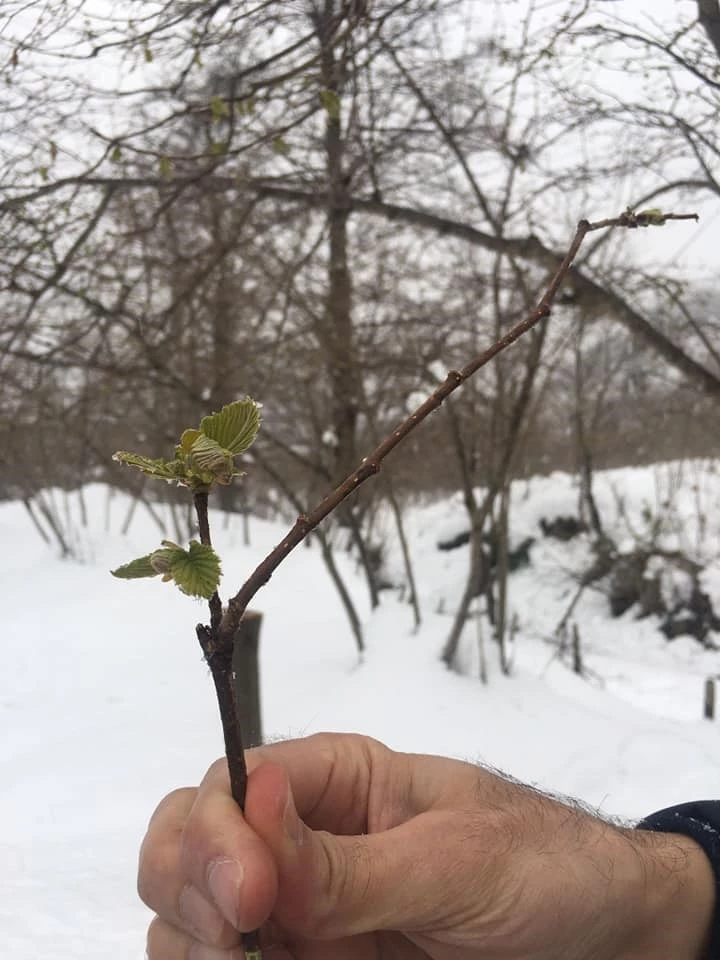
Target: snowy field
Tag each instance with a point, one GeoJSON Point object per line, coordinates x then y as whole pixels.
{"type": "Point", "coordinates": [106, 705]}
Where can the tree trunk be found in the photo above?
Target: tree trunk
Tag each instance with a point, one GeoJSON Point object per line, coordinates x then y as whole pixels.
{"type": "Point", "coordinates": [335, 330]}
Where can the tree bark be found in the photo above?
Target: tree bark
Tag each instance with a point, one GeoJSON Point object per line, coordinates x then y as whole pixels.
{"type": "Point", "coordinates": [709, 18]}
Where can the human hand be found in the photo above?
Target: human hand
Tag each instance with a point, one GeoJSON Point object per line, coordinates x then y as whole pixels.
{"type": "Point", "coordinates": [351, 851]}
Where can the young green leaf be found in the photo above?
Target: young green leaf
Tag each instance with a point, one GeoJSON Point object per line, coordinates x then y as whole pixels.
{"type": "Point", "coordinates": [166, 167]}
{"type": "Point", "coordinates": [162, 560]}
{"type": "Point", "coordinates": [234, 427]}
{"type": "Point", "coordinates": [136, 569]}
{"type": "Point", "coordinates": [209, 457]}
{"type": "Point", "coordinates": [197, 570]}
{"type": "Point", "coordinates": [651, 217]}
{"type": "Point", "coordinates": [160, 469]}
{"type": "Point", "coordinates": [187, 439]}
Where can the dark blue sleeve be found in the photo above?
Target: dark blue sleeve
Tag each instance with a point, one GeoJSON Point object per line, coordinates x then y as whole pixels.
{"type": "Point", "coordinates": [701, 821]}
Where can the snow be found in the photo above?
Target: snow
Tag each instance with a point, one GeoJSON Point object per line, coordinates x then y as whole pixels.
{"type": "Point", "coordinates": [106, 704]}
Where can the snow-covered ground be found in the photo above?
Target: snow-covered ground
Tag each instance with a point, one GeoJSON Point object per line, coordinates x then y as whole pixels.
{"type": "Point", "coordinates": [106, 705]}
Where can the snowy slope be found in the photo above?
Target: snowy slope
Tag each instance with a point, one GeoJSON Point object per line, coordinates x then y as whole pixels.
{"type": "Point", "coordinates": [106, 705]}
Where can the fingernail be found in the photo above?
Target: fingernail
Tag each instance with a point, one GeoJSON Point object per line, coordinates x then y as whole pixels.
{"type": "Point", "coordinates": [291, 821]}
{"type": "Point", "coordinates": [202, 916]}
{"type": "Point", "coordinates": [225, 878]}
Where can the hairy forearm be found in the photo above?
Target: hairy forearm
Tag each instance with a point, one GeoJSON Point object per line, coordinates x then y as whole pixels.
{"type": "Point", "coordinates": [672, 896]}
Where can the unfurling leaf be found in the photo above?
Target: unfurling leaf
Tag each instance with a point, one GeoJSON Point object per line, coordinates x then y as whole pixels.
{"type": "Point", "coordinates": [211, 458]}
{"type": "Point", "coordinates": [205, 456]}
{"type": "Point", "coordinates": [116, 155]}
{"type": "Point", "coordinates": [280, 146]}
{"type": "Point", "coordinates": [235, 427]}
{"type": "Point", "coordinates": [136, 569]}
{"type": "Point", "coordinates": [196, 571]}
{"type": "Point", "coordinates": [186, 441]}
{"type": "Point", "coordinates": [331, 103]}
{"type": "Point", "coordinates": [148, 55]}
{"type": "Point", "coordinates": [162, 560]}
{"type": "Point", "coordinates": [161, 469]}
{"type": "Point", "coordinates": [166, 167]}
{"type": "Point", "coordinates": [652, 217]}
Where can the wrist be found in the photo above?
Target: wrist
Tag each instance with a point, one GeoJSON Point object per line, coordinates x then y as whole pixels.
{"type": "Point", "coordinates": [671, 895]}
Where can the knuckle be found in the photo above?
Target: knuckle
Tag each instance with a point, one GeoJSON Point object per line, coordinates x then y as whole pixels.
{"type": "Point", "coordinates": [217, 773]}
{"type": "Point", "coordinates": [156, 941]}
{"type": "Point", "coordinates": [195, 844]}
{"type": "Point", "coordinates": [173, 808]}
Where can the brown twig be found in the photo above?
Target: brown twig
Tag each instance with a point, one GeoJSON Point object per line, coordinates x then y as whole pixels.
{"type": "Point", "coordinates": [201, 511]}
{"type": "Point", "coordinates": [219, 658]}
{"type": "Point", "coordinates": [371, 464]}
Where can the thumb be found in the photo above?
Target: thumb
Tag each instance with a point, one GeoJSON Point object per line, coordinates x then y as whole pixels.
{"type": "Point", "coordinates": [336, 886]}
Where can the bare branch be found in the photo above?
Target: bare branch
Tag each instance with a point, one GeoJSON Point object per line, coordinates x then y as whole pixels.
{"type": "Point", "coordinates": [371, 464]}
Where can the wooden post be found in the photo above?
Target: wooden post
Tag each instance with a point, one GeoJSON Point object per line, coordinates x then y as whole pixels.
{"type": "Point", "coordinates": [247, 677]}
{"type": "Point", "coordinates": [709, 700]}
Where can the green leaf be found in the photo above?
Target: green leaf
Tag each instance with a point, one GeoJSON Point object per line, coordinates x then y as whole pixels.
{"type": "Point", "coordinates": [161, 560]}
{"type": "Point", "coordinates": [160, 469]}
{"type": "Point", "coordinates": [187, 440]}
{"type": "Point", "coordinates": [197, 60]}
{"type": "Point", "coordinates": [148, 54]}
{"type": "Point", "coordinates": [653, 216]}
{"type": "Point", "coordinates": [280, 146]}
{"type": "Point", "coordinates": [196, 571]}
{"type": "Point", "coordinates": [136, 569]}
{"type": "Point", "coordinates": [213, 459]}
{"type": "Point", "coordinates": [331, 103]}
{"type": "Point", "coordinates": [166, 167]}
{"type": "Point", "coordinates": [53, 151]}
{"type": "Point", "coordinates": [116, 155]}
{"type": "Point", "coordinates": [235, 427]}
{"type": "Point", "coordinates": [219, 109]}
{"type": "Point", "coordinates": [217, 148]}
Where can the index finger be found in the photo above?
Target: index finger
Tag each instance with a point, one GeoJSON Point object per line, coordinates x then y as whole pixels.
{"type": "Point", "coordinates": [332, 776]}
